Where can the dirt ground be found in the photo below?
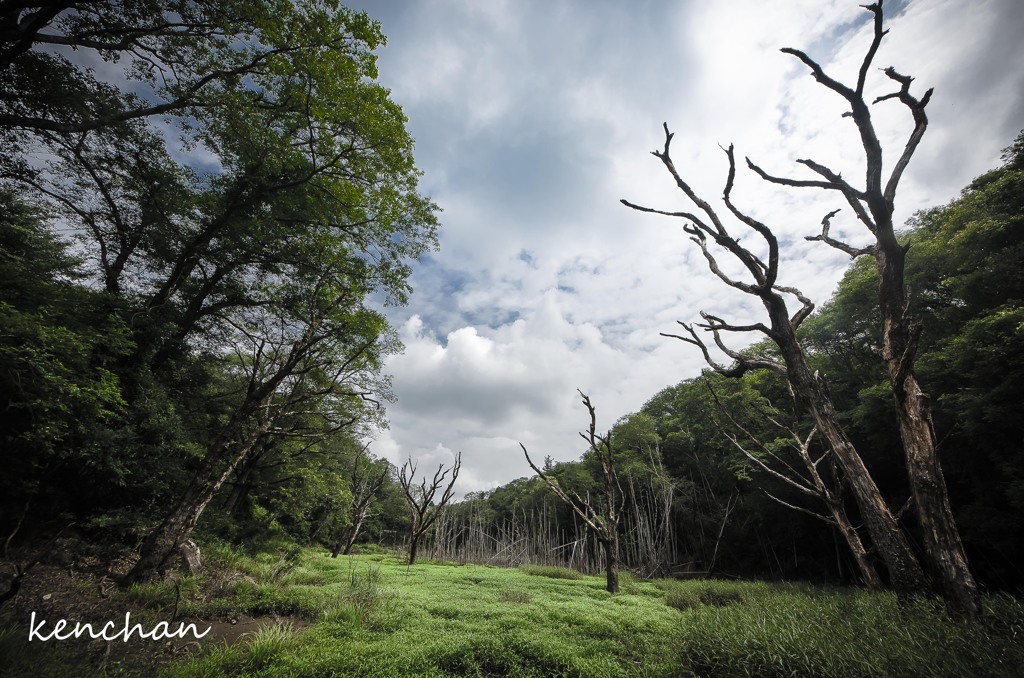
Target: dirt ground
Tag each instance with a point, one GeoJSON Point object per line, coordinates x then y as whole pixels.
{"type": "Point", "coordinates": [81, 588]}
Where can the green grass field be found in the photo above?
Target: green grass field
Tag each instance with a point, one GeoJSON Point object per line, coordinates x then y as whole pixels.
{"type": "Point", "coordinates": [371, 615]}
{"type": "Point", "coordinates": [374, 616]}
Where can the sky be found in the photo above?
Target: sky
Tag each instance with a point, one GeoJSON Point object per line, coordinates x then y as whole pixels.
{"type": "Point", "coordinates": [532, 119]}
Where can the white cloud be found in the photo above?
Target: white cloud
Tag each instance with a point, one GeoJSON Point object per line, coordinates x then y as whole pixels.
{"type": "Point", "coordinates": [532, 119]}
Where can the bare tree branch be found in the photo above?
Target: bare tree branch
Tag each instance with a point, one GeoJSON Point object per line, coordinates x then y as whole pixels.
{"type": "Point", "coordinates": [420, 498]}
{"type": "Point", "coordinates": [603, 523]}
{"type": "Point", "coordinates": [826, 224]}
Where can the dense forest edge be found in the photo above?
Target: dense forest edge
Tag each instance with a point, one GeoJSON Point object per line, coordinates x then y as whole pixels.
{"type": "Point", "coordinates": [191, 375]}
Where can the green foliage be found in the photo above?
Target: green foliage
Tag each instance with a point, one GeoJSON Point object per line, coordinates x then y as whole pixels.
{"type": "Point", "coordinates": [62, 404]}
{"type": "Point", "coordinates": [209, 297]}
{"type": "Point", "coordinates": [965, 270]}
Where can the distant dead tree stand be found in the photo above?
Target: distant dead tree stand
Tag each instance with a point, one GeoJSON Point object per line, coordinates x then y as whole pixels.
{"type": "Point", "coordinates": [421, 498]}
{"type": "Point", "coordinates": [604, 525]}
{"type": "Point", "coordinates": [365, 483]}
{"type": "Point", "coordinates": [873, 206]}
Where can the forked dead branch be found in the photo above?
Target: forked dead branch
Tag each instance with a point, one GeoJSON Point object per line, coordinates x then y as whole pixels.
{"type": "Point", "coordinates": [808, 389]}
{"type": "Point", "coordinates": [873, 204]}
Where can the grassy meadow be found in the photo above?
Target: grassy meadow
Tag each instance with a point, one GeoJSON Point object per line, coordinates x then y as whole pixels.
{"type": "Point", "coordinates": [371, 615]}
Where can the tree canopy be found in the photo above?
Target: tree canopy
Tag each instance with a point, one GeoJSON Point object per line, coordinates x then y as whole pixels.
{"type": "Point", "coordinates": [207, 196]}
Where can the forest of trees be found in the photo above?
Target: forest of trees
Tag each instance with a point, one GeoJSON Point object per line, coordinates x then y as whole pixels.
{"type": "Point", "coordinates": [190, 257]}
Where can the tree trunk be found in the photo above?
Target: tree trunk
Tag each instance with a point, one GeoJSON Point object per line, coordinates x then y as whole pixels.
{"type": "Point", "coordinates": [867, 571]}
{"type": "Point", "coordinates": [352, 536]}
{"type": "Point", "coordinates": [414, 546]}
{"type": "Point", "coordinates": [160, 546]}
{"type": "Point", "coordinates": [611, 561]}
{"type": "Point", "coordinates": [944, 552]}
{"type": "Point", "coordinates": [240, 490]}
{"type": "Point", "coordinates": [348, 538]}
{"type": "Point", "coordinates": [887, 537]}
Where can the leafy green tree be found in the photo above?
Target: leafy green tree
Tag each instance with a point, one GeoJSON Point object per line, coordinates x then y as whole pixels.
{"type": "Point", "coordinates": [61, 402]}
{"type": "Point", "coordinates": [321, 365]}
{"type": "Point", "coordinates": [238, 184]}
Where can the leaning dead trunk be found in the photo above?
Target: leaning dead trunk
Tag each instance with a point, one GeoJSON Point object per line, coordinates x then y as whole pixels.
{"type": "Point", "coordinates": [887, 536]}
{"type": "Point", "coordinates": [943, 548]}
{"type": "Point", "coordinates": [812, 484]}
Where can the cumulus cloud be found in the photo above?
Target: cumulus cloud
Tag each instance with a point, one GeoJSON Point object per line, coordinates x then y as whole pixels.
{"type": "Point", "coordinates": [533, 118]}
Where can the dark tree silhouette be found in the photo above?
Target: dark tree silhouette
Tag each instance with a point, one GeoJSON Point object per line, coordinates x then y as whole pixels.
{"type": "Point", "coordinates": [873, 206]}
{"type": "Point", "coordinates": [421, 498]}
{"type": "Point", "coordinates": [603, 521]}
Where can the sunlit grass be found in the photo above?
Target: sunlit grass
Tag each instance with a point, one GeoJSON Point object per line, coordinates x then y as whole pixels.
{"type": "Point", "coordinates": [374, 615]}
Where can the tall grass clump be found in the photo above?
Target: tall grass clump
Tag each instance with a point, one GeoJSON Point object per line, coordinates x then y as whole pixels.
{"type": "Point", "coordinates": [791, 630]}
{"type": "Point", "coordinates": [267, 644]}
{"type": "Point", "coordinates": [692, 594]}
{"type": "Point", "coordinates": [551, 571]}
{"type": "Point", "coordinates": [360, 599]}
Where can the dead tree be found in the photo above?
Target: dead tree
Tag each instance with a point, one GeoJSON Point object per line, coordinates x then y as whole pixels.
{"type": "Point", "coordinates": [364, 485]}
{"type": "Point", "coordinates": [421, 498]}
{"type": "Point", "coordinates": [809, 391]}
{"type": "Point", "coordinates": [811, 483]}
{"type": "Point", "coordinates": [604, 525]}
{"type": "Point", "coordinates": [873, 206]}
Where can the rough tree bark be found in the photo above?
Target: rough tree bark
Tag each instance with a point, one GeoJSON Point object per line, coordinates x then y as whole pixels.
{"type": "Point", "coordinates": [873, 206]}
{"type": "Point", "coordinates": [421, 499]}
{"type": "Point", "coordinates": [888, 538]}
{"type": "Point", "coordinates": [604, 527]}
{"type": "Point", "coordinates": [364, 487]}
